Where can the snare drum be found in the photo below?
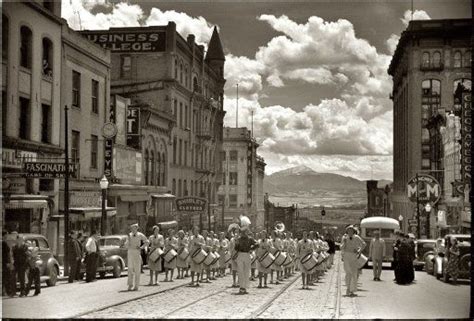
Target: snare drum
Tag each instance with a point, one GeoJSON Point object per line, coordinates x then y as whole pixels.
{"type": "Point", "coordinates": [309, 262]}
{"type": "Point", "coordinates": [217, 257]}
{"type": "Point", "coordinates": [280, 258]}
{"type": "Point", "coordinates": [183, 254]}
{"type": "Point", "coordinates": [170, 255]}
{"type": "Point", "coordinates": [319, 257]}
{"type": "Point", "coordinates": [199, 256]}
{"type": "Point", "coordinates": [266, 260]}
{"type": "Point", "coordinates": [288, 261]}
{"type": "Point", "coordinates": [361, 261]}
{"type": "Point", "coordinates": [227, 257]}
{"type": "Point", "coordinates": [210, 258]}
{"type": "Point", "coordinates": [253, 258]}
{"type": "Point", "coordinates": [155, 254]}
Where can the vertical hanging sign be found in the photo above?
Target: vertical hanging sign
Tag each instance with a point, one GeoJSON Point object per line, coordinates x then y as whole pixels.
{"type": "Point", "coordinates": [466, 126]}
{"type": "Point", "coordinates": [133, 127]}
{"type": "Point", "coordinates": [109, 145]}
{"type": "Point", "coordinates": [249, 172]}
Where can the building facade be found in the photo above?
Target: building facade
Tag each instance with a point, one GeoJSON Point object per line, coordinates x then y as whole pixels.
{"type": "Point", "coordinates": [31, 93]}
{"type": "Point", "coordinates": [379, 199]}
{"type": "Point", "coordinates": [176, 95]}
{"type": "Point", "coordinates": [241, 192]}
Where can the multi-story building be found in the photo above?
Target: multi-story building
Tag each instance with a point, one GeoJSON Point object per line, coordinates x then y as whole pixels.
{"type": "Point", "coordinates": [31, 94]}
{"type": "Point", "coordinates": [431, 62]}
{"type": "Point", "coordinates": [241, 191]}
{"type": "Point", "coordinates": [176, 93]}
{"type": "Point", "coordinates": [378, 199]}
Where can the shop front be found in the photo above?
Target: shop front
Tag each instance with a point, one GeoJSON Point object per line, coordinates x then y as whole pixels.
{"type": "Point", "coordinates": [26, 213]}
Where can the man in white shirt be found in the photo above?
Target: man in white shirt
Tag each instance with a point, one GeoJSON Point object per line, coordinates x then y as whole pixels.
{"type": "Point", "coordinates": [92, 255]}
{"type": "Point", "coordinates": [377, 253]}
{"type": "Point", "coordinates": [352, 246]}
{"type": "Point", "coordinates": [134, 246]}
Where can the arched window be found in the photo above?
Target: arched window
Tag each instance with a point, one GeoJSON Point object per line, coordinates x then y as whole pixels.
{"type": "Point", "coordinates": [192, 188]}
{"type": "Point", "coordinates": [163, 166]}
{"type": "Point", "coordinates": [176, 69]}
{"type": "Point", "coordinates": [185, 188]}
{"type": "Point", "coordinates": [186, 77]}
{"type": "Point", "coordinates": [425, 60]}
{"type": "Point", "coordinates": [173, 187]}
{"type": "Point", "coordinates": [436, 59]}
{"type": "Point", "coordinates": [195, 84]}
{"type": "Point", "coordinates": [152, 168]}
{"type": "Point", "coordinates": [467, 59]}
{"type": "Point", "coordinates": [179, 188]}
{"type": "Point", "coordinates": [5, 37]}
{"type": "Point", "coordinates": [457, 59]}
{"type": "Point", "coordinates": [146, 167]}
{"type": "Point", "coordinates": [181, 73]}
{"type": "Point", "coordinates": [47, 57]}
{"type": "Point", "coordinates": [25, 47]}
{"type": "Point", "coordinates": [158, 167]}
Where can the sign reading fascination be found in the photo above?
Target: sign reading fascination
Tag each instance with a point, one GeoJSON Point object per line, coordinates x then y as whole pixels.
{"type": "Point", "coordinates": [129, 41]}
{"type": "Point", "coordinates": [191, 204]}
{"type": "Point", "coordinates": [48, 170]}
{"type": "Point", "coordinates": [426, 186]}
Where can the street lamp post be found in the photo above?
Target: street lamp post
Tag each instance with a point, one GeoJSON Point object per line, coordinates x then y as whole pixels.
{"type": "Point", "coordinates": [104, 184]}
{"type": "Point", "coordinates": [400, 218]}
{"type": "Point", "coordinates": [428, 212]}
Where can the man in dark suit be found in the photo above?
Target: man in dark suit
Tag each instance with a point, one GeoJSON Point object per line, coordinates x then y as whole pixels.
{"type": "Point", "coordinates": [74, 257]}
{"type": "Point", "coordinates": [20, 261]}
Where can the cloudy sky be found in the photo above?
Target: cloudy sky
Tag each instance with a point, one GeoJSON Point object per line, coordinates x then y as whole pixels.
{"type": "Point", "coordinates": [313, 73]}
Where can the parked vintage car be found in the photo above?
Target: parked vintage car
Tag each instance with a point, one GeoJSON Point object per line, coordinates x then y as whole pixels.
{"type": "Point", "coordinates": [48, 265]}
{"type": "Point", "coordinates": [436, 262]}
{"type": "Point", "coordinates": [422, 247]}
{"type": "Point", "coordinates": [113, 256]}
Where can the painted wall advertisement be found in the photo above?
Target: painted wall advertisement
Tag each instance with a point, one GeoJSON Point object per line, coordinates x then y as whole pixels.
{"type": "Point", "coordinates": [129, 41]}
{"type": "Point", "coordinates": [127, 165]}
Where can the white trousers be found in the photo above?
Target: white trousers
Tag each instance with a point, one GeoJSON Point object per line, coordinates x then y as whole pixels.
{"type": "Point", "coordinates": [350, 267]}
{"type": "Point", "coordinates": [134, 268]}
{"type": "Point", "coordinates": [243, 269]}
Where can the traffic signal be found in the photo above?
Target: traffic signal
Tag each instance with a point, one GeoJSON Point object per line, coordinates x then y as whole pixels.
{"type": "Point", "coordinates": [323, 212]}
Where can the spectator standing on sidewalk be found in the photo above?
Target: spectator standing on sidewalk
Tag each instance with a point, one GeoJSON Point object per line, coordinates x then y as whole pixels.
{"type": "Point", "coordinates": [352, 246]}
{"type": "Point", "coordinates": [377, 253]}
{"type": "Point", "coordinates": [92, 256]}
{"type": "Point", "coordinates": [34, 271]}
{"type": "Point", "coordinates": [243, 246]}
{"type": "Point", "coordinates": [74, 257]}
{"type": "Point", "coordinates": [332, 248]}
{"type": "Point", "coordinates": [20, 261]}
{"type": "Point", "coordinates": [135, 242]}
{"type": "Point", "coordinates": [7, 267]}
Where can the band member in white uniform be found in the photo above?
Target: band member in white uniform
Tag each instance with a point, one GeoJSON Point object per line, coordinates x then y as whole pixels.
{"type": "Point", "coordinates": [171, 243]}
{"type": "Point", "coordinates": [196, 242]}
{"type": "Point", "coordinates": [233, 254]}
{"type": "Point", "coordinates": [132, 244]}
{"type": "Point", "coordinates": [314, 247]}
{"type": "Point", "coordinates": [215, 250]}
{"type": "Point", "coordinates": [223, 248]}
{"type": "Point", "coordinates": [304, 248]}
{"type": "Point", "coordinates": [208, 248]}
{"type": "Point", "coordinates": [264, 246]}
{"type": "Point", "coordinates": [352, 245]}
{"type": "Point", "coordinates": [156, 241]}
{"type": "Point", "coordinates": [278, 245]}
{"type": "Point", "coordinates": [286, 248]}
{"type": "Point", "coordinates": [181, 264]}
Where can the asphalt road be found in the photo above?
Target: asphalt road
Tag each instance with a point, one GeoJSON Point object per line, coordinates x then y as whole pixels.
{"type": "Point", "coordinates": [426, 298]}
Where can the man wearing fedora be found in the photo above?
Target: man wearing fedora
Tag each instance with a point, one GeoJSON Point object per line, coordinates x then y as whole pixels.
{"type": "Point", "coordinates": [352, 246]}
{"type": "Point", "coordinates": [135, 242]}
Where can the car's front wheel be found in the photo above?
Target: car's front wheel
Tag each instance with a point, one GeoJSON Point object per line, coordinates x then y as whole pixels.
{"type": "Point", "coordinates": [53, 276]}
{"type": "Point", "coordinates": [102, 275]}
{"type": "Point", "coordinates": [117, 269]}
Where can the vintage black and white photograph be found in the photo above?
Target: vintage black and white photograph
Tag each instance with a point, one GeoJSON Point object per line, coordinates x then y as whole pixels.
{"type": "Point", "coordinates": [236, 159]}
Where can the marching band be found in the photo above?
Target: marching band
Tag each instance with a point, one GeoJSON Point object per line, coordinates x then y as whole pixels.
{"type": "Point", "coordinates": [239, 253]}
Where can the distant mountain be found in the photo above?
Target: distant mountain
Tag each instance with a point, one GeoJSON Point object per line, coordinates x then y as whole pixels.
{"type": "Point", "coordinates": [304, 180]}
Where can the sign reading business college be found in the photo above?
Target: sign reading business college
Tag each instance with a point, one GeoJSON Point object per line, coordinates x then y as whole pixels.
{"type": "Point", "coordinates": [129, 40]}
{"type": "Point", "coordinates": [427, 188]}
{"type": "Point", "coordinates": [191, 204]}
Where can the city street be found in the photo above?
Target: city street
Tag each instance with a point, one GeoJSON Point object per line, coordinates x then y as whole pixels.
{"type": "Point", "coordinates": [426, 298]}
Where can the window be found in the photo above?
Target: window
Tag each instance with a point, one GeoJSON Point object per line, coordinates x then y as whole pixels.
{"type": "Point", "coordinates": [181, 73]}
{"type": "Point", "coordinates": [457, 59]}
{"type": "Point", "coordinates": [181, 116]}
{"type": "Point", "coordinates": [95, 96]}
{"type": "Point", "coordinates": [175, 146]}
{"type": "Point", "coordinates": [94, 150]}
{"type": "Point", "coordinates": [431, 92]}
{"type": "Point", "coordinates": [186, 111]}
{"type": "Point", "coordinates": [151, 168]}
{"type": "Point", "coordinates": [233, 178]}
{"type": "Point", "coordinates": [48, 5]}
{"type": "Point", "coordinates": [164, 162]}
{"type": "Point", "coordinates": [76, 88]}
{"type": "Point", "coordinates": [4, 112]}
{"type": "Point", "coordinates": [195, 84]}
{"type": "Point", "coordinates": [180, 151]}
{"type": "Point", "coordinates": [192, 188]}
{"type": "Point", "coordinates": [460, 86]}
{"type": "Point", "coordinates": [176, 69]}
{"type": "Point", "coordinates": [175, 108]}
{"type": "Point", "coordinates": [185, 153]}
{"type": "Point", "coordinates": [47, 57]}
{"type": "Point", "coordinates": [158, 167]}
{"type": "Point", "coordinates": [467, 59]}
{"type": "Point", "coordinates": [436, 59]}
{"type": "Point", "coordinates": [125, 66]}
{"type": "Point", "coordinates": [45, 123]}
{"type": "Point", "coordinates": [146, 167]}
{"type": "Point", "coordinates": [425, 163]}
{"type": "Point", "coordinates": [75, 146]}
{"type": "Point", "coordinates": [185, 188]}
{"type": "Point", "coordinates": [233, 155]}
{"type": "Point", "coordinates": [179, 188]}
{"type": "Point", "coordinates": [224, 179]}
{"type": "Point", "coordinates": [232, 200]}
{"type": "Point", "coordinates": [186, 77]}
{"type": "Point", "coordinates": [24, 120]}
{"type": "Point", "coordinates": [25, 47]}
{"type": "Point", "coordinates": [5, 37]}
{"type": "Point", "coordinates": [173, 187]}
{"type": "Point", "coordinates": [425, 60]}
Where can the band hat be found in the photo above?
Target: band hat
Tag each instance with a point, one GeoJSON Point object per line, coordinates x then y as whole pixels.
{"type": "Point", "coordinates": [155, 227]}
{"type": "Point", "coordinates": [134, 225]}
{"type": "Point", "coordinates": [351, 227]}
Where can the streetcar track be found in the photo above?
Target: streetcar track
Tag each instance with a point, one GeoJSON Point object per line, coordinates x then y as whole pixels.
{"type": "Point", "coordinates": [338, 292]}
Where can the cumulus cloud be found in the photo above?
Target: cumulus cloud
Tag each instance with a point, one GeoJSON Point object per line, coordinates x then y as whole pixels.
{"type": "Point", "coordinates": [392, 43]}
{"type": "Point", "coordinates": [417, 15]}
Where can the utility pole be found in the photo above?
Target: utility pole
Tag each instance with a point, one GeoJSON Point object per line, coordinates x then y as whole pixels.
{"type": "Point", "coordinates": [418, 208]}
{"type": "Point", "coordinates": [237, 109]}
{"type": "Point", "coordinates": [66, 190]}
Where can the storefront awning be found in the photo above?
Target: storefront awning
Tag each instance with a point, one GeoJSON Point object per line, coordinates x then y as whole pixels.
{"type": "Point", "coordinates": [87, 213]}
{"type": "Point", "coordinates": [163, 196]}
{"type": "Point", "coordinates": [134, 198]}
{"type": "Point", "coordinates": [17, 204]}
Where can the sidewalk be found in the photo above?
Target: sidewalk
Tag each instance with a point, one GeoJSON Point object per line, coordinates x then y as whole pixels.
{"type": "Point", "coordinates": [69, 300]}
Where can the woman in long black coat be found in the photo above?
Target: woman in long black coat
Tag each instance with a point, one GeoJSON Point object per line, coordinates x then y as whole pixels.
{"type": "Point", "coordinates": [404, 271]}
